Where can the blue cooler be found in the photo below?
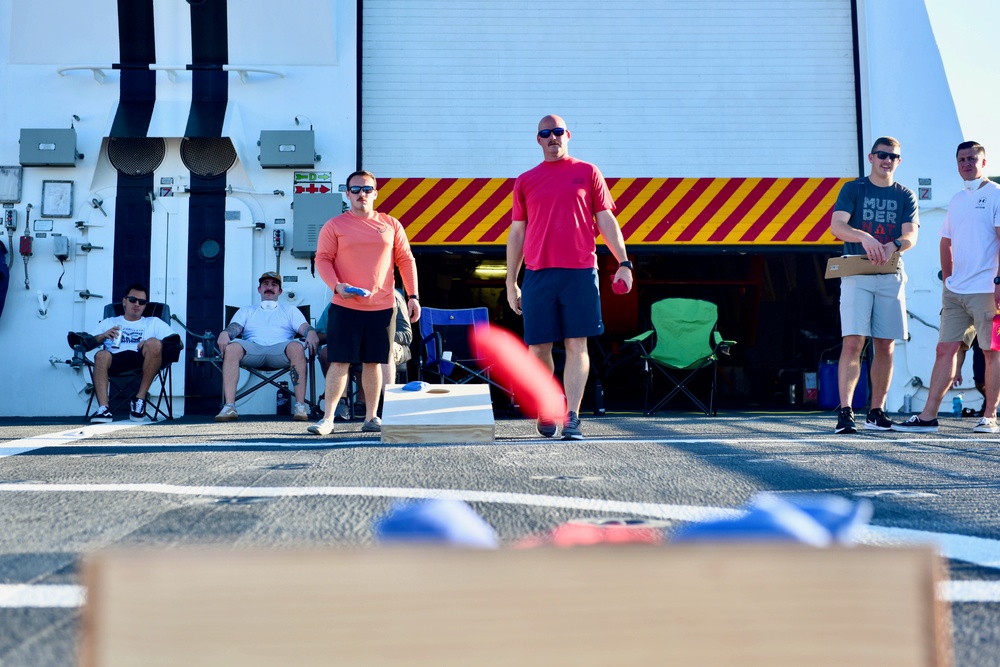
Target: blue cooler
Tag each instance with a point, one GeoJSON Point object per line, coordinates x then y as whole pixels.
{"type": "Point", "coordinates": [829, 386]}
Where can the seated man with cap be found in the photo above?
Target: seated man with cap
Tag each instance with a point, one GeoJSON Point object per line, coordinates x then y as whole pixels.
{"type": "Point", "coordinates": [263, 336]}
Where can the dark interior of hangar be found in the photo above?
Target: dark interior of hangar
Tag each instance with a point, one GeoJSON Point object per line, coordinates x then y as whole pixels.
{"type": "Point", "coordinates": [778, 307]}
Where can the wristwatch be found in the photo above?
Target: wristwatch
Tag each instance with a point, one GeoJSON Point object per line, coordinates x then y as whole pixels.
{"type": "Point", "coordinates": [627, 264]}
{"type": "Point", "coordinates": [996, 281]}
{"type": "Point", "coordinates": [414, 297]}
{"type": "Point", "coordinates": [899, 246]}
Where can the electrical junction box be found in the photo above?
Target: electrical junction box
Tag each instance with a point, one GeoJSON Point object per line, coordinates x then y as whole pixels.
{"type": "Point", "coordinates": [282, 149]}
{"type": "Point", "coordinates": [48, 148]}
{"type": "Point", "coordinates": [314, 201]}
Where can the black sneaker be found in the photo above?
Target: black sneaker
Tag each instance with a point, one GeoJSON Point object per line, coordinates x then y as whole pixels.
{"type": "Point", "coordinates": [546, 428]}
{"type": "Point", "coordinates": [877, 421]}
{"type": "Point", "coordinates": [845, 422]}
{"type": "Point", "coordinates": [917, 425]}
{"type": "Point", "coordinates": [102, 416]}
{"type": "Point", "coordinates": [571, 427]}
{"type": "Point", "coordinates": [137, 409]}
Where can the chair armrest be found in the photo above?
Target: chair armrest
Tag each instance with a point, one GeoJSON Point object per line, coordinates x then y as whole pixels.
{"type": "Point", "coordinates": [172, 346]}
{"type": "Point", "coordinates": [81, 338]}
{"type": "Point", "coordinates": [640, 338]}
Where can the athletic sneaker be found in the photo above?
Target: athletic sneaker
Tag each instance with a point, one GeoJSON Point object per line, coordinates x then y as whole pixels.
{"type": "Point", "coordinates": [137, 409]}
{"type": "Point", "coordinates": [917, 425]}
{"type": "Point", "coordinates": [845, 422]}
{"type": "Point", "coordinates": [373, 425]}
{"type": "Point", "coordinates": [228, 414]}
{"type": "Point", "coordinates": [545, 427]}
{"type": "Point", "coordinates": [877, 421]}
{"type": "Point", "coordinates": [102, 416]}
{"type": "Point", "coordinates": [571, 427]}
{"type": "Point", "coordinates": [343, 411]}
{"type": "Point", "coordinates": [300, 414]}
{"type": "Point", "coordinates": [322, 427]}
{"type": "Point", "coordinates": [986, 425]}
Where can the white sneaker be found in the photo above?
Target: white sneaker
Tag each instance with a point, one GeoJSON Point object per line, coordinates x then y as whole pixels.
{"type": "Point", "coordinates": [986, 425]}
{"type": "Point", "coordinates": [322, 427]}
{"type": "Point", "coordinates": [300, 414]}
{"type": "Point", "coordinates": [228, 414]}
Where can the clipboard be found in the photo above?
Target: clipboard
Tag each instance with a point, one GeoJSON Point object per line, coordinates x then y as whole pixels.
{"type": "Point", "coordinates": [859, 265]}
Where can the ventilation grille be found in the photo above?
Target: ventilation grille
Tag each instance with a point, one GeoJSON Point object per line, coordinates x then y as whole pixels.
{"type": "Point", "coordinates": [136, 156]}
{"type": "Point", "coordinates": [208, 156]}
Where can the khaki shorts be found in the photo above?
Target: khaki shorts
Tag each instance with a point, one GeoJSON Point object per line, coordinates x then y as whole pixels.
{"type": "Point", "coordinates": [264, 357]}
{"type": "Point", "coordinates": [874, 305]}
{"type": "Point", "coordinates": [959, 311]}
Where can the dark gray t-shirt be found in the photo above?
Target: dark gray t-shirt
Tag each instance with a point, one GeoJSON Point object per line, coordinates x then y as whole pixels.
{"type": "Point", "coordinates": [879, 211]}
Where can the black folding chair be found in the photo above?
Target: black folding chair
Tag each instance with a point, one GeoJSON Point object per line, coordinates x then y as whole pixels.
{"type": "Point", "coordinates": [122, 386]}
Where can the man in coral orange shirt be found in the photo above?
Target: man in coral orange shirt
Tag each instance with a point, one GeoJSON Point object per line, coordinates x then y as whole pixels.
{"type": "Point", "coordinates": [355, 255]}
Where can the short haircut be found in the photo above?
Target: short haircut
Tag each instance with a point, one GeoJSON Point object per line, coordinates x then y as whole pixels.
{"type": "Point", "coordinates": [138, 287]}
{"type": "Point", "coordinates": [361, 172]}
{"type": "Point", "coordinates": [885, 141]}
{"type": "Point", "coordinates": [971, 144]}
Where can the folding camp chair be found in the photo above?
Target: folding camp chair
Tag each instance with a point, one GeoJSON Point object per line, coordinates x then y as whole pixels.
{"type": "Point", "coordinates": [686, 341]}
{"type": "Point", "coordinates": [122, 386]}
{"type": "Point", "coordinates": [446, 349]}
{"type": "Point", "coordinates": [270, 376]}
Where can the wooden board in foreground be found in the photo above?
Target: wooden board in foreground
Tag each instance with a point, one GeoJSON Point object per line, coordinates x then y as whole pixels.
{"type": "Point", "coordinates": [443, 413]}
{"type": "Point", "coordinates": [766, 606]}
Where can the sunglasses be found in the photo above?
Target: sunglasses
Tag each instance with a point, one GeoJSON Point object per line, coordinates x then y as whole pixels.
{"type": "Point", "coordinates": [558, 131]}
{"type": "Point", "coordinates": [881, 155]}
{"type": "Point", "coordinates": [135, 299]}
{"type": "Point", "coordinates": [355, 189]}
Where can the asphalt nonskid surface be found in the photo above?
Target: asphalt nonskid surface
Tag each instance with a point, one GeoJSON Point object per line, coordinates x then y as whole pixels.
{"type": "Point", "coordinates": [69, 488]}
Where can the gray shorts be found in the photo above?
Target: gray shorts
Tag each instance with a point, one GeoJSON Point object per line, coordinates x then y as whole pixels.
{"type": "Point", "coordinates": [264, 357]}
{"type": "Point", "coordinates": [874, 305]}
{"type": "Point", "coordinates": [959, 311]}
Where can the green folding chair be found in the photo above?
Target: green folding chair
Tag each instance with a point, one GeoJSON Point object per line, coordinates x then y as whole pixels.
{"type": "Point", "coordinates": [682, 342]}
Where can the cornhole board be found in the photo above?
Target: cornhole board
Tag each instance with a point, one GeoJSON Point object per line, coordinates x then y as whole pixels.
{"type": "Point", "coordinates": [704, 605]}
{"type": "Point", "coordinates": [442, 413]}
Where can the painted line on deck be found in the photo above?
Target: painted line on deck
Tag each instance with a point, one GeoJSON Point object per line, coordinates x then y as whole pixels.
{"type": "Point", "coordinates": [58, 438]}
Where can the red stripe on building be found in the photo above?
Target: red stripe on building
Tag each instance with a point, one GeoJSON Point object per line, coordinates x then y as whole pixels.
{"type": "Point", "coordinates": [717, 202]}
{"type": "Point", "coordinates": [490, 205]}
{"type": "Point", "coordinates": [821, 227]}
{"type": "Point", "coordinates": [741, 210]}
{"type": "Point", "coordinates": [658, 197]}
{"type": "Point", "coordinates": [406, 186]}
{"type": "Point", "coordinates": [767, 217]}
{"type": "Point", "coordinates": [803, 211]}
{"type": "Point", "coordinates": [435, 192]}
{"type": "Point", "coordinates": [689, 198]}
{"type": "Point", "coordinates": [450, 209]}
{"type": "Point", "coordinates": [631, 192]}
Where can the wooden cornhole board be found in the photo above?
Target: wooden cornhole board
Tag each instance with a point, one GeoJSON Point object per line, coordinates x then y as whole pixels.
{"type": "Point", "coordinates": [442, 413]}
{"type": "Point", "coordinates": [752, 606]}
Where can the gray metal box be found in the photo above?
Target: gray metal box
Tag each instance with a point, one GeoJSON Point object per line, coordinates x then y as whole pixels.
{"type": "Point", "coordinates": [313, 203]}
{"type": "Point", "coordinates": [48, 148]}
{"type": "Point", "coordinates": [287, 148]}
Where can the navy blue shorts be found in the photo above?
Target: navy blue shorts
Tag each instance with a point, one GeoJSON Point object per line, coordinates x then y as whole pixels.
{"type": "Point", "coordinates": [358, 336]}
{"type": "Point", "coordinates": [560, 303]}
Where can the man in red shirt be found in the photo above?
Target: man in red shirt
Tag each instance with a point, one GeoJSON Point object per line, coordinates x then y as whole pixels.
{"type": "Point", "coordinates": [355, 255]}
{"type": "Point", "coordinates": [559, 208]}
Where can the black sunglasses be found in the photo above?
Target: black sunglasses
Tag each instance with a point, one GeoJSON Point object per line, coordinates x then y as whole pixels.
{"type": "Point", "coordinates": [355, 189]}
{"type": "Point", "coordinates": [558, 131]}
{"type": "Point", "coordinates": [135, 299]}
{"type": "Point", "coordinates": [881, 155]}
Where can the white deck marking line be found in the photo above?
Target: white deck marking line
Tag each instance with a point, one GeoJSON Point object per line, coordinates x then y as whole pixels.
{"type": "Point", "coordinates": [977, 550]}
{"type": "Point", "coordinates": [20, 596]}
{"type": "Point", "coordinates": [14, 447]}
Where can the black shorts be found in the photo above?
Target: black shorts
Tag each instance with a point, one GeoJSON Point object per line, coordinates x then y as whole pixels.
{"type": "Point", "coordinates": [560, 303]}
{"type": "Point", "coordinates": [122, 362]}
{"type": "Point", "coordinates": [359, 336]}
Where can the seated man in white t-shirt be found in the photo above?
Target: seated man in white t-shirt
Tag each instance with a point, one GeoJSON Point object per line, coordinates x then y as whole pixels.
{"type": "Point", "coordinates": [131, 341]}
{"type": "Point", "coordinates": [263, 336]}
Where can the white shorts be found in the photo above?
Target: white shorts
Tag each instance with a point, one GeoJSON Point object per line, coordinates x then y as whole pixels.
{"type": "Point", "coordinates": [874, 305]}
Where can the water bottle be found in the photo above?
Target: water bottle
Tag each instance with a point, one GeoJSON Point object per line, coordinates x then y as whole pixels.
{"type": "Point", "coordinates": [598, 398]}
{"type": "Point", "coordinates": [283, 401]}
{"type": "Point", "coordinates": [956, 406]}
{"type": "Point", "coordinates": [199, 351]}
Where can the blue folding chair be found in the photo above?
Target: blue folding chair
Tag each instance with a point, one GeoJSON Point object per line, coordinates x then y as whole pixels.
{"type": "Point", "coordinates": [447, 351]}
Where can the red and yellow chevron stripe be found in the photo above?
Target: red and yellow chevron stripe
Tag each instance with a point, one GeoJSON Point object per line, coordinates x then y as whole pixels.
{"type": "Point", "coordinates": [651, 211]}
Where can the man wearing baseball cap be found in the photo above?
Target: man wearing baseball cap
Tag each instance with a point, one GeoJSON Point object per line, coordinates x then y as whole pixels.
{"type": "Point", "coordinates": [263, 336]}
